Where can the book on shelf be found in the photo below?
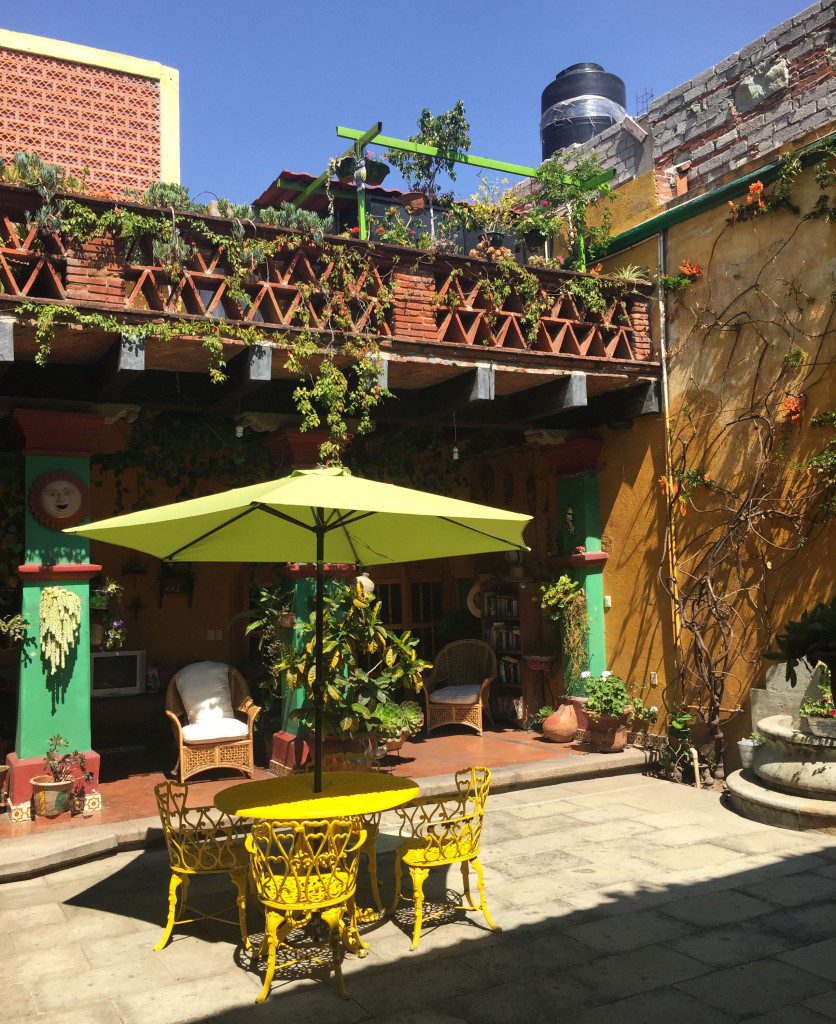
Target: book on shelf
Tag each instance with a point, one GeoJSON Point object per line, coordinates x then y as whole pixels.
{"type": "Point", "coordinates": [502, 605]}
{"type": "Point", "coordinates": [508, 671]}
{"type": "Point", "coordinates": [505, 637]}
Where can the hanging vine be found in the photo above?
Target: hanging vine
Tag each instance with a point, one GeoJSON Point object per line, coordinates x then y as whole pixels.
{"type": "Point", "coordinates": [335, 352]}
{"type": "Point", "coordinates": [60, 619]}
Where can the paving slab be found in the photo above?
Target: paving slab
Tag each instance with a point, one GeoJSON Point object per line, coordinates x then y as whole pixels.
{"type": "Point", "coordinates": [54, 848]}
{"type": "Point", "coordinates": [594, 929]}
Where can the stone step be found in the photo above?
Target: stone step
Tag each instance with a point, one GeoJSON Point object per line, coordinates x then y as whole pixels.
{"type": "Point", "coordinates": [749, 796]}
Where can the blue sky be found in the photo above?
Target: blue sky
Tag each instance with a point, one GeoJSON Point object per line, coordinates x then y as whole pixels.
{"type": "Point", "coordinates": [263, 85]}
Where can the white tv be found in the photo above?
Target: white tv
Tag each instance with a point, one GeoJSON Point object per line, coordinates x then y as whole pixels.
{"type": "Point", "coordinates": [117, 673]}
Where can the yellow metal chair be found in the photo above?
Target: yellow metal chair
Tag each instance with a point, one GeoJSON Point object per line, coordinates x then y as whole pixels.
{"type": "Point", "coordinates": [200, 841]}
{"type": "Point", "coordinates": [302, 868]}
{"type": "Point", "coordinates": [440, 833]}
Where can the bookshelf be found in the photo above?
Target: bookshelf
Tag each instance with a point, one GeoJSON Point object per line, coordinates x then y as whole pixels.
{"type": "Point", "coordinates": [501, 629]}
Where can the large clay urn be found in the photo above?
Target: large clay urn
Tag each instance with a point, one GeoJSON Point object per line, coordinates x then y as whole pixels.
{"type": "Point", "coordinates": [561, 725]}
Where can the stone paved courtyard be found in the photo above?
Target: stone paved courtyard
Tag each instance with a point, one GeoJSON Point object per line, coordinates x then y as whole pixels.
{"type": "Point", "coordinates": [622, 900]}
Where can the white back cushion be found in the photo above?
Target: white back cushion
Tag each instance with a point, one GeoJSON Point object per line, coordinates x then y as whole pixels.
{"type": "Point", "coordinates": [204, 690]}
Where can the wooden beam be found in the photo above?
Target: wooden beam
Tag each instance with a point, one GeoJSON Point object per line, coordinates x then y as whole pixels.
{"type": "Point", "coordinates": [560, 395]}
{"type": "Point", "coordinates": [617, 408]}
{"type": "Point", "coordinates": [7, 344]}
{"type": "Point", "coordinates": [121, 366]}
{"type": "Point", "coordinates": [249, 371]}
{"type": "Point", "coordinates": [442, 400]}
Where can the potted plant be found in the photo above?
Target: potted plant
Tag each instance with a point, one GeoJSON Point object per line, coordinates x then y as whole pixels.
{"type": "Point", "coordinates": [491, 212]}
{"type": "Point", "coordinates": [812, 637]}
{"type": "Point", "coordinates": [270, 623]}
{"type": "Point", "coordinates": [564, 601]}
{"type": "Point", "coordinates": [365, 665]}
{"type": "Point", "coordinates": [609, 708]}
{"type": "Point", "coordinates": [51, 791]}
{"type": "Point", "coordinates": [397, 722]}
{"type": "Point", "coordinates": [101, 596]}
{"type": "Point", "coordinates": [449, 134]}
{"type": "Point", "coordinates": [748, 748]}
{"type": "Point", "coordinates": [560, 725]}
{"type": "Point", "coordinates": [372, 170]}
{"type": "Point", "coordinates": [115, 634]}
{"type": "Point", "coordinates": [818, 717]}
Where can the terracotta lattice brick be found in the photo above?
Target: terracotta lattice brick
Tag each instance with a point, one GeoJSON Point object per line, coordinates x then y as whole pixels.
{"type": "Point", "coordinates": [77, 115]}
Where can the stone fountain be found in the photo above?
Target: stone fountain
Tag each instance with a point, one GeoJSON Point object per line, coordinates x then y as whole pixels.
{"type": "Point", "coordinates": [792, 781]}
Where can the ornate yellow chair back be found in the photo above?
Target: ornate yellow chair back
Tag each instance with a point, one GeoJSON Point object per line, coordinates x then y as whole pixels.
{"type": "Point", "coordinates": [302, 865]}
{"type": "Point", "coordinates": [198, 839]}
{"type": "Point", "coordinates": [451, 829]}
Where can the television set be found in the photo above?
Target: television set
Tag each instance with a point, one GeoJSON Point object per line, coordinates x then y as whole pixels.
{"type": "Point", "coordinates": [117, 673]}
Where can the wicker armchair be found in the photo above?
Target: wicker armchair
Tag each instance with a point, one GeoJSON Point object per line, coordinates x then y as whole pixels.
{"type": "Point", "coordinates": [199, 754]}
{"type": "Point", "coordinates": [456, 691]}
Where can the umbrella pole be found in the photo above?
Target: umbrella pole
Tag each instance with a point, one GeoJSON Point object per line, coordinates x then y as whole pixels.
{"type": "Point", "coordinates": [319, 685]}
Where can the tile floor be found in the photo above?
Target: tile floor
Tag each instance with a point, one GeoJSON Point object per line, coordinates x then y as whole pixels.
{"type": "Point", "coordinates": [741, 926]}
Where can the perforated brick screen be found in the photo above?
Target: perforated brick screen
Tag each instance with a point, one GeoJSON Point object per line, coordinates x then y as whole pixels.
{"type": "Point", "coordinates": [76, 115]}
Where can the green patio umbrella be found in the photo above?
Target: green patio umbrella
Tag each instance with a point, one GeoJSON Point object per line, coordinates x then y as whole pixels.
{"type": "Point", "coordinates": [316, 515]}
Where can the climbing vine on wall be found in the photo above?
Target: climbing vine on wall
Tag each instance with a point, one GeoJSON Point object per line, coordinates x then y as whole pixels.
{"type": "Point", "coordinates": [191, 453]}
{"type": "Point", "coordinates": [740, 466]}
{"type": "Point", "coordinates": [60, 619]}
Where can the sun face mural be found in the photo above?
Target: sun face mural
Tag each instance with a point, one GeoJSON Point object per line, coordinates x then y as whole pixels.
{"type": "Point", "coordinates": [59, 499]}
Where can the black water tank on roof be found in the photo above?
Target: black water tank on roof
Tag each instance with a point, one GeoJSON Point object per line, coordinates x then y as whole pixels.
{"type": "Point", "coordinates": [580, 103]}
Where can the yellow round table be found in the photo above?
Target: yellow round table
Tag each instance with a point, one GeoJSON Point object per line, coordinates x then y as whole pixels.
{"type": "Point", "coordinates": [291, 798]}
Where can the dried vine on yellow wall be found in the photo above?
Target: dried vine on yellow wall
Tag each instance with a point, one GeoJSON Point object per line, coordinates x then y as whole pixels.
{"type": "Point", "coordinates": [745, 466]}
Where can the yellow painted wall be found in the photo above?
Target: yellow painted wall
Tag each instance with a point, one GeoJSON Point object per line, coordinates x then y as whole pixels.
{"type": "Point", "coordinates": [770, 281]}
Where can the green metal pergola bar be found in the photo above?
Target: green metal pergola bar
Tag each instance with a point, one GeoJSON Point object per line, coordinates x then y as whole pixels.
{"type": "Point", "coordinates": [460, 158]}
{"type": "Point", "coordinates": [415, 147]}
{"type": "Point", "coordinates": [373, 136]}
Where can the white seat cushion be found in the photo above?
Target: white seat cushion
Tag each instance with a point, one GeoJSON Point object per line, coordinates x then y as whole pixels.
{"type": "Point", "coordinates": [204, 690]}
{"type": "Point", "coordinates": [456, 694]}
{"type": "Point", "coordinates": [217, 729]}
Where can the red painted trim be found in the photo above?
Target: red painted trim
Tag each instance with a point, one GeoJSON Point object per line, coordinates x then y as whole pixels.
{"type": "Point", "coordinates": [34, 571]}
{"type": "Point", "coordinates": [47, 432]}
{"type": "Point", "coordinates": [574, 457]}
{"type": "Point", "coordinates": [589, 559]}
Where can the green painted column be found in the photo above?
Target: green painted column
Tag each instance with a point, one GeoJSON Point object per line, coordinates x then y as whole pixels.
{"type": "Point", "coordinates": [56, 489]}
{"type": "Point", "coordinates": [579, 525]}
{"type": "Point", "coordinates": [293, 697]}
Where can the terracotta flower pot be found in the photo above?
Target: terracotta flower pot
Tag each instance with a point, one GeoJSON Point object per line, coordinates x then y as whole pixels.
{"type": "Point", "coordinates": [50, 798]}
{"type": "Point", "coordinates": [607, 734]}
{"type": "Point", "coordinates": [414, 202]}
{"type": "Point", "coordinates": [561, 726]}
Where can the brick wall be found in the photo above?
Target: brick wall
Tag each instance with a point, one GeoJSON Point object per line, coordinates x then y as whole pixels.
{"type": "Point", "coordinates": [75, 114]}
{"type": "Point", "coordinates": [774, 91]}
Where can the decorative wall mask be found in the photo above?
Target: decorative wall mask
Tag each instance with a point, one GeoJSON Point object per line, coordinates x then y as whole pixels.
{"type": "Point", "coordinates": [59, 499]}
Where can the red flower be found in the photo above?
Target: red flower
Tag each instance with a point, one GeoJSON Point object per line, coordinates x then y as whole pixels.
{"type": "Point", "coordinates": [355, 231]}
{"type": "Point", "coordinates": [545, 202]}
{"type": "Point", "coordinates": [379, 230]}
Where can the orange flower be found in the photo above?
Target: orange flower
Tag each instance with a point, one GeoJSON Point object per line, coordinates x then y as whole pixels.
{"type": "Point", "coordinates": [689, 269]}
{"type": "Point", "coordinates": [792, 406]}
{"type": "Point", "coordinates": [756, 188]}
{"type": "Point", "coordinates": [663, 483]}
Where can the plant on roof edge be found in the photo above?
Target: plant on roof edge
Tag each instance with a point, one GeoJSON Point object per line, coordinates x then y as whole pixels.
{"type": "Point", "coordinates": [449, 132]}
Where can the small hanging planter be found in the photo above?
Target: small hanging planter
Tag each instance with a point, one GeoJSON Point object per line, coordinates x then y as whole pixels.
{"type": "Point", "coordinates": [375, 170]}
